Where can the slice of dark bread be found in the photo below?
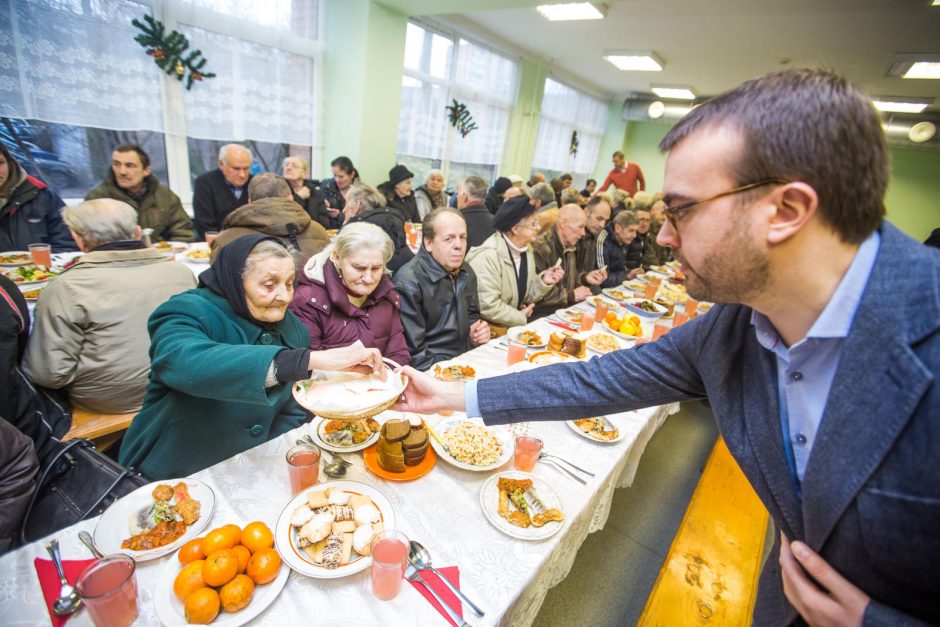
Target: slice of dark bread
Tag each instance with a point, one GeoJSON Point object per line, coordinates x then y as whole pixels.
{"type": "Point", "coordinates": [396, 430]}
{"type": "Point", "coordinates": [418, 438]}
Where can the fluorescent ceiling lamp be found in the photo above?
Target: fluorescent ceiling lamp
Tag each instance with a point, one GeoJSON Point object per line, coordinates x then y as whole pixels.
{"type": "Point", "coordinates": [674, 92]}
{"type": "Point", "coordinates": [935, 3]}
{"type": "Point", "coordinates": [923, 69]}
{"type": "Point", "coordinates": [635, 61]}
{"type": "Point", "coordinates": [572, 11]}
{"type": "Point", "coordinates": [900, 106]}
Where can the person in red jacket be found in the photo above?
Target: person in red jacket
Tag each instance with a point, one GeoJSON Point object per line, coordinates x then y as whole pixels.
{"type": "Point", "coordinates": [344, 294]}
{"type": "Point", "coordinates": [625, 176]}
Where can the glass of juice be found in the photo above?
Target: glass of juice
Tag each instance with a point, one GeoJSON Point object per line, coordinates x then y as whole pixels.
{"type": "Point", "coordinates": [659, 330]}
{"type": "Point", "coordinates": [210, 236]}
{"type": "Point", "coordinates": [303, 467]}
{"type": "Point", "coordinates": [679, 319]}
{"type": "Point", "coordinates": [108, 589]}
{"type": "Point", "coordinates": [527, 452]}
{"type": "Point", "coordinates": [515, 353]}
{"type": "Point", "coordinates": [600, 310]}
{"type": "Point", "coordinates": [651, 290]}
{"type": "Point", "coordinates": [587, 321]}
{"type": "Point", "coordinates": [42, 254]}
{"type": "Point", "coordinates": [389, 557]}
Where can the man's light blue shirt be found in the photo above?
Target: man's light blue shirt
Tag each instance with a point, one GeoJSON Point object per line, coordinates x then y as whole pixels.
{"type": "Point", "coordinates": [805, 370]}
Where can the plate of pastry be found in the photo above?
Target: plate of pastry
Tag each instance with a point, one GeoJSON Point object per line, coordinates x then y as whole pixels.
{"type": "Point", "coordinates": [521, 505]}
{"type": "Point", "coordinates": [598, 429]}
{"type": "Point", "coordinates": [530, 338]}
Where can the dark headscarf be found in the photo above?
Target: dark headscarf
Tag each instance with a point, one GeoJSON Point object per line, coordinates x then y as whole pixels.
{"type": "Point", "coordinates": [224, 277]}
{"type": "Point", "coordinates": [512, 212]}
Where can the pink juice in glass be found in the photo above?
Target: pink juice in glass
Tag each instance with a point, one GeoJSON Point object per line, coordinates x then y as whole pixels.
{"type": "Point", "coordinates": [108, 589]}
{"type": "Point", "coordinates": [515, 353]}
{"type": "Point", "coordinates": [303, 467]}
{"type": "Point", "coordinates": [527, 452]}
{"type": "Point", "coordinates": [600, 311]}
{"type": "Point", "coordinates": [389, 555]}
{"type": "Point", "coordinates": [587, 321]}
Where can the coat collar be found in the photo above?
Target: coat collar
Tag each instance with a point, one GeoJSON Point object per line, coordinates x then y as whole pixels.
{"type": "Point", "coordinates": [433, 270]}
{"type": "Point", "coordinates": [321, 275]}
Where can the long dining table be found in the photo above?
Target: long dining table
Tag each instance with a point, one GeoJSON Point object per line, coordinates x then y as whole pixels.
{"type": "Point", "coordinates": [508, 578]}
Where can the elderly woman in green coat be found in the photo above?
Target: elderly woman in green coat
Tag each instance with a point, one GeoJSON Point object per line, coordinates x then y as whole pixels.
{"type": "Point", "coordinates": [223, 357]}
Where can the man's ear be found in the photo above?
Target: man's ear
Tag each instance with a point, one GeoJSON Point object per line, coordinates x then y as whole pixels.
{"type": "Point", "coordinates": [795, 205]}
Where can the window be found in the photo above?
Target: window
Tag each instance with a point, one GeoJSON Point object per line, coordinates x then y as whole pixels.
{"type": "Point", "coordinates": [74, 83]}
{"type": "Point", "coordinates": [564, 111]}
{"type": "Point", "coordinates": [438, 70]}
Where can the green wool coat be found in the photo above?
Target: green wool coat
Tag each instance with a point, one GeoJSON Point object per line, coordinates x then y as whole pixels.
{"type": "Point", "coordinates": [206, 399]}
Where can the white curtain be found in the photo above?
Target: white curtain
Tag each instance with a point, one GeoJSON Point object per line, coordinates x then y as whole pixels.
{"type": "Point", "coordinates": [76, 62]}
{"type": "Point", "coordinates": [565, 110]}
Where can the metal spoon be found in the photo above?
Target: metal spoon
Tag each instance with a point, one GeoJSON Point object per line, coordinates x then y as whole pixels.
{"type": "Point", "coordinates": [85, 537]}
{"type": "Point", "coordinates": [68, 600]}
{"type": "Point", "coordinates": [412, 574]}
{"type": "Point", "coordinates": [421, 558]}
{"type": "Point", "coordinates": [336, 468]}
{"type": "Point", "coordinates": [336, 458]}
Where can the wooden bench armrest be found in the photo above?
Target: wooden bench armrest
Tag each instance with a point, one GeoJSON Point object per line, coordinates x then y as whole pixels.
{"type": "Point", "coordinates": [92, 425]}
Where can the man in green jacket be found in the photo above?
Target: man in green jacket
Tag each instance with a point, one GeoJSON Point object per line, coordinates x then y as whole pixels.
{"type": "Point", "coordinates": [130, 180]}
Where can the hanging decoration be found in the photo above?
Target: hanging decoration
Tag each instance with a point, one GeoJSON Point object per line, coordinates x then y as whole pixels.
{"type": "Point", "coordinates": [168, 51]}
{"type": "Point", "coordinates": [573, 148]}
{"type": "Point", "coordinates": [460, 118]}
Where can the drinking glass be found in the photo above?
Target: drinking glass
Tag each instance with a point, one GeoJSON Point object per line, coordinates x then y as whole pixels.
{"type": "Point", "coordinates": [527, 452]}
{"type": "Point", "coordinates": [108, 589]}
{"type": "Point", "coordinates": [515, 353]}
{"type": "Point", "coordinates": [659, 330]}
{"type": "Point", "coordinates": [690, 306]}
{"type": "Point", "coordinates": [303, 467]}
{"type": "Point", "coordinates": [651, 289]}
{"type": "Point", "coordinates": [587, 321]}
{"type": "Point", "coordinates": [389, 558]}
{"type": "Point", "coordinates": [600, 310]}
{"type": "Point", "coordinates": [42, 254]}
{"type": "Point", "coordinates": [679, 319]}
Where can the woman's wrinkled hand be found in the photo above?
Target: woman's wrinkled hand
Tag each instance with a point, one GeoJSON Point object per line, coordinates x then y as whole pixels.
{"type": "Point", "coordinates": [355, 357]}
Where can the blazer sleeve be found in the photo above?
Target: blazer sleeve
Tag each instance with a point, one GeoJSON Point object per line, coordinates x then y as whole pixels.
{"type": "Point", "coordinates": [492, 307]}
{"type": "Point", "coordinates": [879, 615]}
{"type": "Point", "coordinates": [55, 347]}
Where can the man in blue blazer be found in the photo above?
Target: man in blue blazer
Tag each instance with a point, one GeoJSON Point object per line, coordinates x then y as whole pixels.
{"type": "Point", "coordinates": [821, 366]}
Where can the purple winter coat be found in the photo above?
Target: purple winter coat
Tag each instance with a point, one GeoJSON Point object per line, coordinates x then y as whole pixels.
{"type": "Point", "coordinates": [321, 303]}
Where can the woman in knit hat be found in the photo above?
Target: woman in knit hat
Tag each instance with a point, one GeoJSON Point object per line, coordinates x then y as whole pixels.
{"type": "Point", "coordinates": [398, 194]}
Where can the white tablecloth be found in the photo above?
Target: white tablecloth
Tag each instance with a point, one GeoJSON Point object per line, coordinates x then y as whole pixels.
{"type": "Point", "coordinates": [507, 578]}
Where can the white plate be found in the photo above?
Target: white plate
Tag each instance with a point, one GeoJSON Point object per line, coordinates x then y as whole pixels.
{"type": "Point", "coordinates": [319, 437]}
{"type": "Point", "coordinates": [28, 262]}
{"type": "Point", "coordinates": [620, 344]}
{"type": "Point", "coordinates": [113, 526]}
{"type": "Point", "coordinates": [514, 334]}
{"type": "Point", "coordinates": [177, 248]}
{"type": "Point", "coordinates": [560, 314]}
{"type": "Point", "coordinates": [626, 296]}
{"type": "Point", "coordinates": [624, 336]}
{"type": "Point", "coordinates": [170, 609]}
{"type": "Point", "coordinates": [587, 436]}
{"type": "Point", "coordinates": [489, 500]}
{"type": "Point", "coordinates": [507, 444]}
{"type": "Point", "coordinates": [12, 274]}
{"type": "Point", "coordinates": [285, 536]}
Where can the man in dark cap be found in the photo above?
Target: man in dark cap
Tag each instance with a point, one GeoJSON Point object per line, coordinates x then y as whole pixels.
{"type": "Point", "coordinates": [495, 197]}
{"type": "Point", "coordinates": [399, 195]}
{"type": "Point", "coordinates": [507, 282]}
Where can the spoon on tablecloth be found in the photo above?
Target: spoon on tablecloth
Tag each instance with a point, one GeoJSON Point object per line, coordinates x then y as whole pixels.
{"type": "Point", "coordinates": [85, 537]}
{"type": "Point", "coordinates": [421, 558]}
{"type": "Point", "coordinates": [68, 601]}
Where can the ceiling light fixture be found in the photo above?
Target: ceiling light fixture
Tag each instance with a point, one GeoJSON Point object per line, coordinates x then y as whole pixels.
{"type": "Point", "coordinates": [900, 105]}
{"type": "Point", "coordinates": [635, 61]}
{"type": "Point", "coordinates": [915, 65]}
{"type": "Point", "coordinates": [674, 92]}
{"type": "Point", "coordinates": [923, 69]}
{"type": "Point", "coordinates": [572, 11]}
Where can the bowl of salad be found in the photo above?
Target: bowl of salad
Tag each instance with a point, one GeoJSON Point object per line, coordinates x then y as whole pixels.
{"type": "Point", "coordinates": [646, 308]}
{"type": "Point", "coordinates": [29, 275]}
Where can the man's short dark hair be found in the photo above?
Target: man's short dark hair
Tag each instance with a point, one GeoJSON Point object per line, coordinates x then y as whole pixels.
{"type": "Point", "coordinates": [144, 157]}
{"type": "Point", "coordinates": [805, 125]}
{"type": "Point", "coordinates": [427, 225]}
{"type": "Point", "coordinates": [566, 177]}
{"type": "Point", "coordinates": [593, 201]}
{"type": "Point", "coordinates": [617, 155]}
{"type": "Point", "coordinates": [475, 188]}
{"type": "Point", "coordinates": [268, 185]}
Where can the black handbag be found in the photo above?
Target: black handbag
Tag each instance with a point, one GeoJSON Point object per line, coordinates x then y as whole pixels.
{"type": "Point", "coordinates": [77, 483]}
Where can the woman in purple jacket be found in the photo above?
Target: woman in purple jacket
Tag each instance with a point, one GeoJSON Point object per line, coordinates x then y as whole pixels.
{"type": "Point", "coordinates": [344, 294]}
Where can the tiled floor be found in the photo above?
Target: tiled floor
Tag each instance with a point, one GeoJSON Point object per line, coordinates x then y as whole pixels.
{"type": "Point", "coordinates": [617, 567]}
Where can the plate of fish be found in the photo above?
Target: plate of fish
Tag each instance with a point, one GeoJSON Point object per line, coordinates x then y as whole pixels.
{"type": "Point", "coordinates": [345, 436]}
{"type": "Point", "coordinates": [326, 531]}
{"type": "Point", "coordinates": [571, 316]}
{"type": "Point", "coordinates": [155, 519]}
{"type": "Point", "coordinates": [598, 429]}
{"type": "Point", "coordinates": [617, 294]}
{"type": "Point", "coordinates": [521, 506]}
{"type": "Point", "coordinates": [529, 338]}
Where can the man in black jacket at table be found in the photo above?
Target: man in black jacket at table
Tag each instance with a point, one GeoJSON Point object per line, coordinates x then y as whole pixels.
{"type": "Point", "coordinates": [440, 310]}
{"type": "Point", "coordinates": [471, 194]}
{"type": "Point", "coordinates": [221, 191]}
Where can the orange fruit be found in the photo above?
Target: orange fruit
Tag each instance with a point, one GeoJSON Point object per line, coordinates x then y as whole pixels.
{"type": "Point", "coordinates": [221, 538]}
{"type": "Point", "coordinates": [189, 580]}
{"type": "Point", "coordinates": [202, 606]}
{"type": "Point", "coordinates": [237, 593]}
{"type": "Point", "coordinates": [191, 551]}
{"type": "Point", "coordinates": [220, 566]}
{"type": "Point", "coordinates": [264, 566]}
{"type": "Point", "coordinates": [243, 556]}
{"type": "Point", "coordinates": [257, 536]}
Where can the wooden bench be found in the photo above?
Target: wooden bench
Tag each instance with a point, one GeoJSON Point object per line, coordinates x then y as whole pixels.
{"type": "Point", "coordinates": [103, 429]}
{"type": "Point", "coordinates": [711, 571]}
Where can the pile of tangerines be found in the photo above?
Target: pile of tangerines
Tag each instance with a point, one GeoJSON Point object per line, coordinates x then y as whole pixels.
{"type": "Point", "coordinates": [222, 568]}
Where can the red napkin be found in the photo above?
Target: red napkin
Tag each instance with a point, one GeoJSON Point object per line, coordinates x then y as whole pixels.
{"type": "Point", "coordinates": [49, 582]}
{"type": "Point", "coordinates": [453, 574]}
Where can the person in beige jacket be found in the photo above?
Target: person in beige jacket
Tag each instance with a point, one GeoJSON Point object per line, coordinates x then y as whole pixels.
{"type": "Point", "coordinates": [90, 336]}
{"type": "Point", "coordinates": [507, 281]}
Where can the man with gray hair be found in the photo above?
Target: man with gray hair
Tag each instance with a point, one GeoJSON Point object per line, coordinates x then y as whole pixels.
{"type": "Point", "coordinates": [471, 201]}
{"type": "Point", "coordinates": [613, 245]}
{"type": "Point", "coordinates": [90, 336]}
{"type": "Point", "coordinates": [221, 191]}
{"type": "Point", "coordinates": [364, 203]}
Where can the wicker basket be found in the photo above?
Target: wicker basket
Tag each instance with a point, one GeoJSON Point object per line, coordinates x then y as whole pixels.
{"type": "Point", "coordinates": [299, 391]}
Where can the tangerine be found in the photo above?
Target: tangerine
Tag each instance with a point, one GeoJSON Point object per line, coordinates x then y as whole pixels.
{"type": "Point", "coordinates": [236, 594]}
{"type": "Point", "coordinates": [257, 536]}
{"type": "Point", "coordinates": [191, 551]}
{"type": "Point", "coordinates": [202, 606]}
{"type": "Point", "coordinates": [220, 567]}
{"type": "Point", "coordinates": [264, 566]}
{"type": "Point", "coordinates": [189, 580]}
{"type": "Point", "coordinates": [221, 538]}
{"type": "Point", "coordinates": [243, 556]}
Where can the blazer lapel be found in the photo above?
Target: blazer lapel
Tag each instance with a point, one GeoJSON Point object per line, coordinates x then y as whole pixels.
{"type": "Point", "coordinates": [877, 386]}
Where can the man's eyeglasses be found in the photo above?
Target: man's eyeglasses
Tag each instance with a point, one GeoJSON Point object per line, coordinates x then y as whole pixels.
{"type": "Point", "coordinates": [675, 214]}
